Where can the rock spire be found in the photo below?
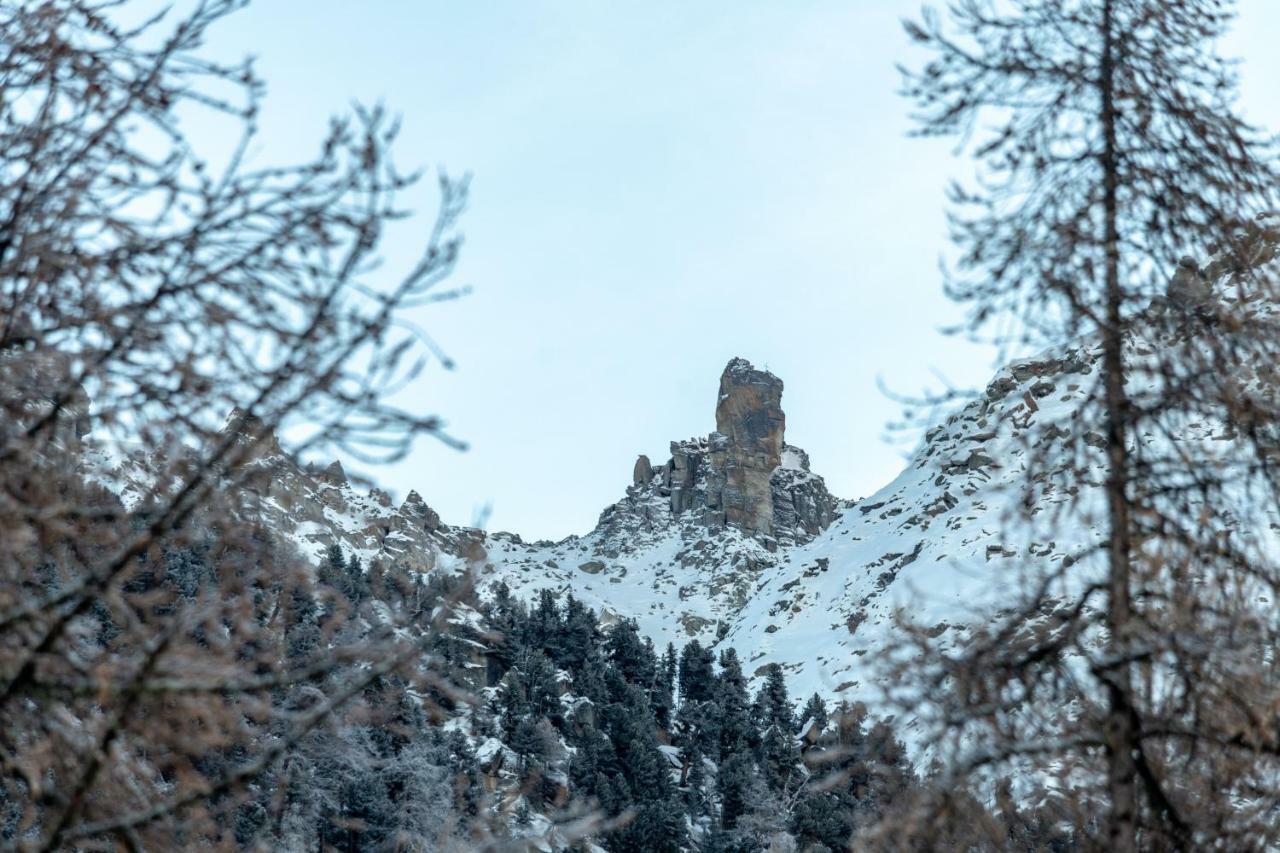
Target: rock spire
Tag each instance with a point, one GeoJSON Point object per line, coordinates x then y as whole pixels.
{"type": "Point", "coordinates": [743, 475]}
{"type": "Point", "coordinates": [746, 447]}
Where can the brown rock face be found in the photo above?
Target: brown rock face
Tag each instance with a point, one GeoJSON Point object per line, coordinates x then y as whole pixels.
{"type": "Point", "coordinates": [682, 475]}
{"type": "Point", "coordinates": [643, 472]}
{"type": "Point", "coordinates": [743, 475]}
{"type": "Point", "coordinates": [749, 415]}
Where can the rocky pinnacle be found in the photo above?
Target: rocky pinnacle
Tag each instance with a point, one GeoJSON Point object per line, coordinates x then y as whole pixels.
{"type": "Point", "coordinates": [743, 475]}
{"type": "Point", "coordinates": [750, 420]}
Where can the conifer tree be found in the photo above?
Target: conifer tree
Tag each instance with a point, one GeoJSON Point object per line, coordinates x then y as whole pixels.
{"type": "Point", "coordinates": [357, 582]}
{"type": "Point", "coordinates": [513, 702]}
{"type": "Point", "coordinates": [579, 634]}
{"type": "Point", "coordinates": [814, 714]}
{"type": "Point", "coordinates": [738, 732]}
{"type": "Point", "coordinates": [333, 570]}
{"type": "Point", "coordinates": [1121, 207]}
{"type": "Point", "coordinates": [734, 781]}
{"type": "Point", "coordinates": [670, 666]}
{"type": "Point", "coordinates": [778, 750]}
{"type": "Point", "coordinates": [696, 673]}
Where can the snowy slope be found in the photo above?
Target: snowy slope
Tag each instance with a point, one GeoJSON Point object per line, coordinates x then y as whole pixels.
{"type": "Point", "coordinates": [935, 541]}
{"type": "Point", "coordinates": [946, 541]}
{"type": "Point", "coordinates": [932, 540]}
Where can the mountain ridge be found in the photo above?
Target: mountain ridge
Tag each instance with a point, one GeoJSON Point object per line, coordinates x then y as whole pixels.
{"type": "Point", "coordinates": [734, 539]}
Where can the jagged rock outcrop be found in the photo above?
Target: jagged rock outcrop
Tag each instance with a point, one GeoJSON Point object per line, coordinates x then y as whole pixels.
{"type": "Point", "coordinates": [643, 471]}
{"type": "Point", "coordinates": [744, 475]}
{"type": "Point", "coordinates": [335, 475]}
{"type": "Point", "coordinates": [418, 514]}
{"type": "Point", "coordinates": [749, 417]}
{"type": "Point", "coordinates": [818, 585]}
{"type": "Point", "coordinates": [319, 507]}
{"type": "Point", "coordinates": [802, 506]}
{"type": "Point", "coordinates": [680, 478]}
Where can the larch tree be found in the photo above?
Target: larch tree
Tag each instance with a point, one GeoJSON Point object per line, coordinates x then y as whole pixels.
{"type": "Point", "coordinates": [186, 308]}
{"type": "Point", "coordinates": [1121, 207]}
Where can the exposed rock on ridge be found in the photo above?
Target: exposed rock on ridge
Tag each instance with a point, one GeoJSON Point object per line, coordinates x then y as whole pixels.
{"type": "Point", "coordinates": [801, 502]}
{"type": "Point", "coordinates": [744, 475]}
{"type": "Point", "coordinates": [749, 416]}
{"type": "Point", "coordinates": [703, 547]}
{"type": "Point", "coordinates": [643, 472]}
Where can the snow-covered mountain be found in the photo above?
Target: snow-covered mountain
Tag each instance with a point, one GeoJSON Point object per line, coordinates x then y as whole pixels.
{"type": "Point", "coordinates": [818, 597]}
{"type": "Point", "coordinates": [735, 541]}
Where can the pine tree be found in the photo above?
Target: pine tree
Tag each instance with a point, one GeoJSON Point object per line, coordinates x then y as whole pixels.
{"type": "Point", "coordinates": [773, 702]}
{"type": "Point", "coordinates": [528, 743]}
{"type": "Point", "coordinates": [670, 666]}
{"type": "Point", "coordinates": [656, 828]}
{"type": "Point", "coordinates": [660, 699]}
{"type": "Point", "coordinates": [695, 780]}
{"type": "Point", "coordinates": [699, 725]}
{"type": "Point", "coordinates": [186, 569]}
{"type": "Point", "coordinates": [696, 673]}
{"type": "Point", "coordinates": [541, 684]}
{"type": "Point", "coordinates": [302, 628]}
{"type": "Point", "coordinates": [779, 752]}
{"type": "Point", "coordinates": [333, 569]}
{"type": "Point", "coordinates": [503, 614]}
{"type": "Point", "coordinates": [629, 653]}
{"type": "Point", "coordinates": [545, 628]}
{"type": "Point", "coordinates": [732, 708]}
{"type": "Point", "coordinates": [589, 680]}
{"type": "Point", "coordinates": [814, 714]}
{"type": "Point", "coordinates": [513, 703]}
{"type": "Point", "coordinates": [356, 583]}
{"type": "Point", "coordinates": [734, 781]}
{"type": "Point", "coordinates": [579, 636]}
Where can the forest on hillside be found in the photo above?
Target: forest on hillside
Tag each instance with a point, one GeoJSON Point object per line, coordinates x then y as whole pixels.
{"type": "Point", "coordinates": [524, 722]}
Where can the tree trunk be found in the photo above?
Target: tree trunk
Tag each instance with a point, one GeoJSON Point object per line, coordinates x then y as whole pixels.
{"type": "Point", "coordinates": [1121, 736]}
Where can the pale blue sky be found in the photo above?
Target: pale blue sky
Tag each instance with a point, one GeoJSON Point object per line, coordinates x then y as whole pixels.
{"type": "Point", "coordinates": [658, 187]}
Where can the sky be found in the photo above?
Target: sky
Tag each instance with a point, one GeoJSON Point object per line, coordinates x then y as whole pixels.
{"type": "Point", "coordinates": [657, 188]}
